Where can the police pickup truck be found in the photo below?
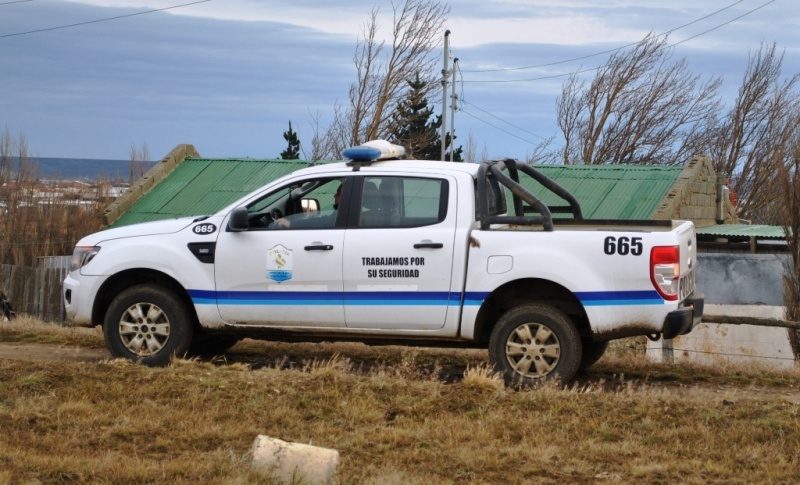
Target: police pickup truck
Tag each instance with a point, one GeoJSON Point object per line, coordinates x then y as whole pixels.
{"type": "Point", "coordinates": [391, 252]}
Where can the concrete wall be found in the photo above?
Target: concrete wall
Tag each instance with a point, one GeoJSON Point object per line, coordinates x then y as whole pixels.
{"type": "Point", "coordinates": [741, 279]}
{"type": "Point", "coordinates": [736, 285]}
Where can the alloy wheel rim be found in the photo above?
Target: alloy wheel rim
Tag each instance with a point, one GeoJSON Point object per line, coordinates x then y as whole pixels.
{"type": "Point", "coordinates": [144, 329]}
{"type": "Point", "coordinates": [533, 350]}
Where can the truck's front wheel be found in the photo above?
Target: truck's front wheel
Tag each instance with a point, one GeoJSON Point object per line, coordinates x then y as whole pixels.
{"type": "Point", "coordinates": [147, 324]}
{"type": "Point", "coordinates": [534, 342]}
{"type": "Point", "coordinates": [592, 352]}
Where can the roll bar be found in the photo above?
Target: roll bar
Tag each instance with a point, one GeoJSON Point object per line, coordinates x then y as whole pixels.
{"type": "Point", "coordinates": [491, 172]}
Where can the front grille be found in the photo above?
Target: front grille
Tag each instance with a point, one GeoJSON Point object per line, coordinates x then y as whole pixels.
{"type": "Point", "coordinates": [686, 285]}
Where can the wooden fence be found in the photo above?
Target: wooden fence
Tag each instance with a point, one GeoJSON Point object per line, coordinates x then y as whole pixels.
{"type": "Point", "coordinates": [36, 291]}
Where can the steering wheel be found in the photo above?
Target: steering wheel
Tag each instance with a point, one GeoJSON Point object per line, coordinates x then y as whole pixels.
{"type": "Point", "coordinates": [265, 219]}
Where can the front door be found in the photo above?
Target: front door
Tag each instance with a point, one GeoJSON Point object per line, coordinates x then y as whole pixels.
{"type": "Point", "coordinates": [286, 270]}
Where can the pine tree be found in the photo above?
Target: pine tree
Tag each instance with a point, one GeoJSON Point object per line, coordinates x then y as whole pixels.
{"type": "Point", "coordinates": [414, 128]}
{"type": "Point", "coordinates": [292, 151]}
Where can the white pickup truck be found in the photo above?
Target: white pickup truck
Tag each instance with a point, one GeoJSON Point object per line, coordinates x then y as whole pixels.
{"type": "Point", "coordinates": [391, 252]}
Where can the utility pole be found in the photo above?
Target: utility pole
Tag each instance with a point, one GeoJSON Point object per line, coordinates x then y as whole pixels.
{"type": "Point", "coordinates": [444, 88]}
{"type": "Point", "coordinates": [452, 110]}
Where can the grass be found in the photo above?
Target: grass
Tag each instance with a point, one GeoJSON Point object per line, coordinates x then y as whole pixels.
{"type": "Point", "coordinates": [397, 415]}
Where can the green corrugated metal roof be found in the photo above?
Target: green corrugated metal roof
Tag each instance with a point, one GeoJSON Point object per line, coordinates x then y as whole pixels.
{"type": "Point", "coordinates": [609, 191]}
{"type": "Point", "coordinates": [201, 186]}
{"type": "Point", "coordinates": [742, 230]}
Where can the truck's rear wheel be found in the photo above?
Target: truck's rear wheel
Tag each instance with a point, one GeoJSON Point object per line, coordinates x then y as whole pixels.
{"type": "Point", "coordinates": [147, 324]}
{"type": "Point", "coordinates": [534, 342]}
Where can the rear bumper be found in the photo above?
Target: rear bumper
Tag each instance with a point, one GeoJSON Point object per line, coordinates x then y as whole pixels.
{"type": "Point", "coordinates": [684, 319]}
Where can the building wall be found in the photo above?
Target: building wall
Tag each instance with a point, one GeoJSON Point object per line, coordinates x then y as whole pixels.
{"type": "Point", "coordinates": [149, 180]}
{"type": "Point", "coordinates": [741, 279]}
{"type": "Point", "coordinates": [748, 285]}
{"type": "Point", "coordinates": [694, 196]}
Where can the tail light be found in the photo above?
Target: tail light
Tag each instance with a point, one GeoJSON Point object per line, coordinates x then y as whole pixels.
{"type": "Point", "coordinates": [665, 270]}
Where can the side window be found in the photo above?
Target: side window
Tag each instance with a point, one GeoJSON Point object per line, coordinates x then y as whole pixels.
{"type": "Point", "coordinates": [310, 204]}
{"type": "Point", "coordinates": [402, 202]}
{"type": "Point", "coordinates": [496, 198]}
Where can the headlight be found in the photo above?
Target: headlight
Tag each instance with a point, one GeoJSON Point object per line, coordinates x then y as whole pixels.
{"type": "Point", "coordinates": [82, 255]}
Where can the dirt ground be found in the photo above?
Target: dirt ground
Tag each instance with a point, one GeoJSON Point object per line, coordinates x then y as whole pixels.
{"type": "Point", "coordinates": [34, 352]}
{"type": "Point", "coordinates": [728, 394]}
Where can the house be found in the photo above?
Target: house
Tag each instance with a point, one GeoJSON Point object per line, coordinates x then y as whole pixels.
{"type": "Point", "coordinates": [185, 184]}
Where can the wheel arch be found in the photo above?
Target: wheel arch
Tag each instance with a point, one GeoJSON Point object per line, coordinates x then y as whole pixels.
{"type": "Point", "coordinates": [529, 290]}
{"type": "Point", "coordinates": [117, 283]}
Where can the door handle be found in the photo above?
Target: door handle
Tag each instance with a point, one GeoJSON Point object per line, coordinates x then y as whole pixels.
{"type": "Point", "coordinates": [319, 247]}
{"type": "Point", "coordinates": [428, 245]}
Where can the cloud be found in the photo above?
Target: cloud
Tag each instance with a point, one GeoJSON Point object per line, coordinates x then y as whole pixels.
{"type": "Point", "coordinates": [229, 75]}
{"type": "Point", "coordinates": [146, 77]}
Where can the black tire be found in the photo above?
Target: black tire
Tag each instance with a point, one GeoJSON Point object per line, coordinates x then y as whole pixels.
{"type": "Point", "coordinates": [592, 352]}
{"type": "Point", "coordinates": [535, 342]}
{"type": "Point", "coordinates": [204, 345]}
{"type": "Point", "coordinates": [149, 324]}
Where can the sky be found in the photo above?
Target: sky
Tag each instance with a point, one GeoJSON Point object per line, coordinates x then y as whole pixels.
{"type": "Point", "coordinates": [227, 76]}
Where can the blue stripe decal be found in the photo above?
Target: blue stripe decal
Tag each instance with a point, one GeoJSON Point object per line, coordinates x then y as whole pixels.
{"type": "Point", "coordinates": [402, 298]}
{"type": "Point", "coordinates": [619, 298]}
{"type": "Point", "coordinates": [475, 298]}
{"type": "Point", "coordinates": [376, 298]}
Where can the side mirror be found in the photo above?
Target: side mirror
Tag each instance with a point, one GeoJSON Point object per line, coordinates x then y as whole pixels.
{"type": "Point", "coordinates": [309, 205]}
{"type": "Point", "coordinates": [238, 220]}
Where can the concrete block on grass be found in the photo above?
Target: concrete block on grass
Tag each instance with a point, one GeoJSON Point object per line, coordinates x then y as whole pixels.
{"type": "Point", "coordinates": [295, 462]}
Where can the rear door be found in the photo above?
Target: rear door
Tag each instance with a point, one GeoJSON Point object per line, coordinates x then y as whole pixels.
{"type": "Point", "coordinates": [398, 253]}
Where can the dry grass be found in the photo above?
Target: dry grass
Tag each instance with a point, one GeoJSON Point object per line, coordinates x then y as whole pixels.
{"type": "Point", "coordinates": [26, 329]}
{"type": "Point", "coordinates": [392, 417]}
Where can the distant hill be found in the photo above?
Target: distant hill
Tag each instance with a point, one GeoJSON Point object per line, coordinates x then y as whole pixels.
{"type": "Point", "coordinates": [87, 169]}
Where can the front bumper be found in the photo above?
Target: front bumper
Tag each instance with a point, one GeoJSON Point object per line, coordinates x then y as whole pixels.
{"type": "Point", "coordinates": [685, 318]}
{"type": "Point", "coordinates": [75, 292]}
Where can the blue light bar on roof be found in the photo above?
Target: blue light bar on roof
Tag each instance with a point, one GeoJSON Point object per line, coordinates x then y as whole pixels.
{"type": "Point", "coordinates": [372, 151]}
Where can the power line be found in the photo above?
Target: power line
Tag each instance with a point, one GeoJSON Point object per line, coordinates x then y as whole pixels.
{"type": "Point", "coordinates": [507, 122]}
{"type": "Point", "coordinates": [101, 20]}
{"type": "Point", "coordinates": [606, 51]}
{"type": "Point", "coordinates": [497, 127]}
{"type": "Point", "coordinates": [596, 68]}
{"type": "Point", "coordinates": [15, 1]}
{"type": "Point", "coordinates": [586, 70]}
{"type": "Point", "coordinates": [722, 25]}
{"type": "Point", "coordinates": [464, 101]}
{"type": "Point", "coordinates": [540, 78]}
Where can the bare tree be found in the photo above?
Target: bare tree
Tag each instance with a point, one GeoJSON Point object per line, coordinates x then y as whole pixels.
{"type": "Point", "coordinates": [36, 220]}
{"type": "Point", "coordinates": [542, 153]}
{"type": "Point", "coordinates": [139, 162]}
{"type": "Point", "coordinates": [14, 161]}
{"type": "Point", "coordinates": [788, 177]}
{"type": "Point", "coordinates": [471, 152]}
{"type": "Point", "coordinates": [641, 107]}
{"type": "Point", "coordinates": [382, 72]}
{"type": "Point", "coordinates": [317, 150]}
{"type": "Point", "coordinates": [7, 149]}
{"type": "Point", "coordinates": [750, 143]}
